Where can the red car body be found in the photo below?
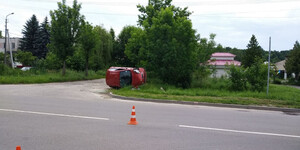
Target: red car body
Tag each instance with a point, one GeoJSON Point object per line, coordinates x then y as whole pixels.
{"type": "Point", "coordinates": [117, 77]}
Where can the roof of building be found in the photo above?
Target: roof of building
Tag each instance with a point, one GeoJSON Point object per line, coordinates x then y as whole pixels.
{"type": "Point", "coordinates": [224, 62]}
{"type": "Point", "coordinates": [219, 54]}
{"type": "Point", "coordinates": [280, 65]}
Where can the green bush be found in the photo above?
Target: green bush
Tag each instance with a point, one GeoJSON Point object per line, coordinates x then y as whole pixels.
{"type": "Point", "coordinates": [237, 78]}
{"type": "Point", "coordinates": [26, 58]}
{"type": "Point", "coordinates": [52, 62]}
{"type": "Point", "coordinates": [257, 76]}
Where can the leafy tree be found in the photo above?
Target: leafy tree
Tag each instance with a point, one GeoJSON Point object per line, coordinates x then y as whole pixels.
{"type": "Point", "coordinates": [292, 64]}
{"type": "Point", "coordinates": [43, 39]}
{"type": "Point", "coordinates": [30, 36]}
{"type": "Point", "coordinates": [65, 25]}
{"type": "Point", "coordinates": [52, 62]}
{"type": "Point", "coordinates": [134, 50]}
{"type": "Point", "coordinates": [252, 52]}
{"type": "Point", "coordinates": [88, 42]}
{"type": "Point", "coordinates": [237, 78]}
{"type": "Point", "coordinates": [206, 47]}
{"type": "Point", "coordinates": [104, 47]}
{"type": "Point", "coordinates": [257, 75]}
{"type": "Point", "coordinates": [26, 58]}
{"type": "Point", "coordinates": [170, 42]}
{"type": "Point", "coordinates": [1, 34]}
{"type": "Point", "coordinates": [77, 61]}
{"type": "Point", "coordinates": [112, 33]}
{"type": "Point", "coordinates": [119, 48]}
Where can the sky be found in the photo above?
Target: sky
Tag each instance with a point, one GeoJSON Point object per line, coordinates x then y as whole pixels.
{"type": "Point", "coordinates": [233, 21]}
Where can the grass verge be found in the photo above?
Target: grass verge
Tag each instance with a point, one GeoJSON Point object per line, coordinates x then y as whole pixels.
{"type": "Point", "coordinates": [279, 95]}
{"type": "Point", "coordinates": [37, 76]}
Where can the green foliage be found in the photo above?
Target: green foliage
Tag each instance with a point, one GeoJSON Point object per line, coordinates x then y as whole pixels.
{"type": "Point", "coordinates": [1, 34]}
{"type": "Point", "coordinates": [43, 39]}
{"type": "Point", "coordinates": [206, 48]}
{"type": "Point", "coordinates": [123, 40]}
{"type": "Point", "coordinates": [77, 61]}
{"type": "Point", "coordinates": [237, 78]}
{"type": "Point", "coordinates": [52, 62]}
{"type": "Point", "coordinates": [292, 64]}
{"type": "Point", "coordinates": [104, 47]}
{"type": "Point", "coordinates": [29, 42]}
{"type": "Point", "coordinates": [253, 51]}
{"type": "Point", "coordinates": [135, 47]}
{"type": "Point", "coordinates": [26, 58]}
{"type": "Point", "coordinates": [88, 43]}
{"type": "Point", "coordinates": [257, 76]}
{"type": "Point", "coordinates": [16, 76]}
{"type": "Point", "coordinates": [170, 42]}
{"type": "Point", "coordinates": [65, 25]}
{"type": "Point", "coordinates": [279, 96]}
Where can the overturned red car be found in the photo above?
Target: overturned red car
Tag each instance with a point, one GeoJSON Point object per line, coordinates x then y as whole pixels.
{"type": "Point", "coordinates": [117, 77]}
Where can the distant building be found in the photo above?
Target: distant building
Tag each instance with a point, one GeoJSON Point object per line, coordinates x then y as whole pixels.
{"type": "Point", "coordinates": [14, 44]}
{"type": "Point", "coordinates": [281, 69]}
{"type": "Point", "coordinates": [220, 61]}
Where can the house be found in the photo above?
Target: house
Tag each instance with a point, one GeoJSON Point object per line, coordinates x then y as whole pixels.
{"type": "Point", "coordinates": [281, 69]}
{"type": "Point", "coordinates": [219, 61]}
{"type": "Point", "coordinates": [14, 44]}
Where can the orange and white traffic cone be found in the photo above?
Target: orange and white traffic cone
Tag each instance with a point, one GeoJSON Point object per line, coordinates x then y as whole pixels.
{"type": "Point", "coordinates": [133, 119]}
{"type": "Point", "coordinates": [18, 148]}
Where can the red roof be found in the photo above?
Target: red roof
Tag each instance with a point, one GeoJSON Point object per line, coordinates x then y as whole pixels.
{"type": "Point", "coordinates": [224, 62]}
{"type": "Point", "coordinates": [222, 55]}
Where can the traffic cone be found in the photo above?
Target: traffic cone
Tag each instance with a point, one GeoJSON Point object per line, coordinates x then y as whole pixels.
{"type": "Point", "coordinates": [18, 148]}
{"type": "Point", "coordinates": [133, 119]}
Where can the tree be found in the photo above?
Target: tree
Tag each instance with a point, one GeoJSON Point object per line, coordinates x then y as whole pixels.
{"type": "Point", "coordinates": [88, 42]}
{"type": "Point", "coordinates": [1, 34]}
{"type": "Point", "coordinates": [133, 40]}
{"type": "Point", "coordinates": [253, 51]}
{"type": "Point", "coordinates": [104, 47]}
{"type": "Point", "coordinates": [65, 25]}
{"type": "Point", "coordinates": [257, 75]}
{"type": "Point", "coordinates": [43, 39]}
{"type": "Point", "coordinates": [119, 47]}
{"type": "Point", "coordinates": [292, 64]}
{"type": "Point", "coordinates": [26, 58]}
{"type": "Point", "coordinates": [30, 36]}
{"type": "Point", "coordinates": [170, 44]}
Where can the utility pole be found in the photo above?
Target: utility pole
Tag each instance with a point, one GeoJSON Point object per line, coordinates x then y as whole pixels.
{"type": "Point", "coordinates": [269, 66]}
{"type": "Point", "coordinates": [6, 32]}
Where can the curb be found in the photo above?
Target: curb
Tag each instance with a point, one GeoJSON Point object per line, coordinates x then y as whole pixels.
{"type": "Point", "coordinates": [286, 110]}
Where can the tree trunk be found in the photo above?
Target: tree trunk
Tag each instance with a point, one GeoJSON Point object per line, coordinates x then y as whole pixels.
{"type": "Point", "coordinates": [64, 69]}
{"type": "Point", "coordinates": [87, 67]}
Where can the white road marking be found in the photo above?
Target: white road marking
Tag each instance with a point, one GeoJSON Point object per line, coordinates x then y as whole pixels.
{"type": "Point", "coordinates": [53, 114]}
{"type": "Point", "coordinates": [238, 131]}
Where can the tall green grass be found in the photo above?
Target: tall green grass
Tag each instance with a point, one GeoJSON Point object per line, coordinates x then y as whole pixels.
{"type": "Point", "coordinates": [215, 91]}
{"type": "Point", "coordinates": [16, 76]}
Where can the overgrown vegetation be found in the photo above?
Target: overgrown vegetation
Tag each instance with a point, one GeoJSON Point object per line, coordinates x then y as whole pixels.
{"type": "Point", "coordinates": [217, 91]}
{"type": "Point", "coordinates": [16, 76]}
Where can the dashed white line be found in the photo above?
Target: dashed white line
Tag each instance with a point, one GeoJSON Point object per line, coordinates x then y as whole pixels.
{"type": "Point", "coordinates": [53, 114]}
{"type": "Point", "coordinates": [238, 131]}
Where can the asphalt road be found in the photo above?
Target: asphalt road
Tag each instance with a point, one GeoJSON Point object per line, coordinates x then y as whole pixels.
{"type": "Point", "coordinates": [80, 116]}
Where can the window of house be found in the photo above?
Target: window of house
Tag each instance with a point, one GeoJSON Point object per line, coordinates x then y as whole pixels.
{"type": "Point", "coordinates": [13, 45]}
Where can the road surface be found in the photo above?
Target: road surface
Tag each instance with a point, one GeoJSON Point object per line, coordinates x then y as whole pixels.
{"type": "Point", "coordinates": [80, 116]}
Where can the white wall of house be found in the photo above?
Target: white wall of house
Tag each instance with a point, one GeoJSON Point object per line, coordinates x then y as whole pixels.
{"type": "Point", "coordinates": [14, 44]}
{"type": "Point", "coordinates": [219, 73]}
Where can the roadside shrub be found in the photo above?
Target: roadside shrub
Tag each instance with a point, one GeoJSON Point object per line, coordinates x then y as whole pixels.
{"type": "Point", "coordinates": [200, 77]}
{"type": "Point", "coordinates": [76, 62]}
{"type": "Point", "coordinates": [237, 78]}
{"type": "Point", "coordinates": [26, 58]}
{"type": "Point", "coordinates": [52, 62]}
{"type": "Point", "coordinates": [277, 81]}
{"type": "Point", "coordinates": [257, 75]}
